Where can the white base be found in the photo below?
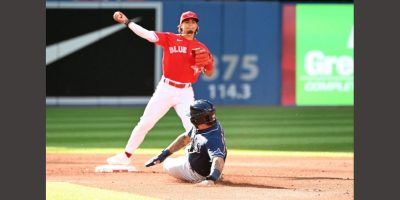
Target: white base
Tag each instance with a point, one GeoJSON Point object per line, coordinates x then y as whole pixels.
{"type": "Point", "coordinates": [115, 168]}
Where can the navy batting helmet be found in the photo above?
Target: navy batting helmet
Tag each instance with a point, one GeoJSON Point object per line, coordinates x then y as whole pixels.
{"type": "Point", "coordinates": [202, 112]}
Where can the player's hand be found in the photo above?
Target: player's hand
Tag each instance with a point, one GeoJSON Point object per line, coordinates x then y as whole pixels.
{"type": "Point", "coordinates": [153, 161]}
{"type": "Point", "coordinates": [158, 159]}
{"type": "Point", "coordinates": [206, 183]}
{"type": "Point", "coordinates": [120, 17]}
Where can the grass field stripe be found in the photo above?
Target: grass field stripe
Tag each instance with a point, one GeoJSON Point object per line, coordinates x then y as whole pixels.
{"type": "Point", "coordinates": [181, 152]}
{"type": "Point", "coordinates": [69, 191]}
{"type": "Point", "coordinates": [308, 129]}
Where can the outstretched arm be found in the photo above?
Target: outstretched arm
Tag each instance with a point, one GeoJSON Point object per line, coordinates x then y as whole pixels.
{"type": "Point", "coordinates": [180, 142]}
{"type": "Point", "coordinates": [138, 30]}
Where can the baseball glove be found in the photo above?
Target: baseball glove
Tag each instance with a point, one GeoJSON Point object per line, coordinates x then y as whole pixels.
{"type": "Point", "coordinates": [201, 57]}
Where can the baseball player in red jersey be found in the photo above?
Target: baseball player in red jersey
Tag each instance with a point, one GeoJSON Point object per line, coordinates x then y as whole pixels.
{"type": "Point", "coordinates": [184, 59]}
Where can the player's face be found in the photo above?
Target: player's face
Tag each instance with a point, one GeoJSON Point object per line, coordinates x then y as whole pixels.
{"type": "Point", "coordinates": [189, 26]}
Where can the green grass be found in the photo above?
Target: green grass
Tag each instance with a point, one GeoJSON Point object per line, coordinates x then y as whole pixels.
{"type": "Point", "coordinates": [310, 129]}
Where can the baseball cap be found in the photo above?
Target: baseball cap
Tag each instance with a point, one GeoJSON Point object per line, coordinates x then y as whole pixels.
{"type": "Point", "coordinates": [188, 15]}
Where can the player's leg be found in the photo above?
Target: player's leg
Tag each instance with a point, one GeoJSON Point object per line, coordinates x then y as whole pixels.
{"type": "Point", "coordinates": [157, 107]}
{"type": "Point", "coordinates": [182, 107]}
{"type": "Point", "coordinates": [180, 168]}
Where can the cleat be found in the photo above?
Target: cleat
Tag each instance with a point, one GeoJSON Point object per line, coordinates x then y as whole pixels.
{"type": "Point", "coordinates": [119, 159]}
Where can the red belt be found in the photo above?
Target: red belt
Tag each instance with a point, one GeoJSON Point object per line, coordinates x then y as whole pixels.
{"type": "Point", "coordinates": [177, 85]}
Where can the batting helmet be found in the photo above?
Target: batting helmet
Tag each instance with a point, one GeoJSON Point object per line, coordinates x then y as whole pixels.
{"type": "Point", "coordinates": [202, 112]}
{"type": "Point", "coordinates": [188, 15]}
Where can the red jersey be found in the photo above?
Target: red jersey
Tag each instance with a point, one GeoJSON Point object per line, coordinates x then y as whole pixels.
{"type": "Point", "coordinates": [177, 58]}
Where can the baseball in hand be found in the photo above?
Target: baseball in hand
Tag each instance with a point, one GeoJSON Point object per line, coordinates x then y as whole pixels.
{"type": "Point", "coordinates": [119, 17]}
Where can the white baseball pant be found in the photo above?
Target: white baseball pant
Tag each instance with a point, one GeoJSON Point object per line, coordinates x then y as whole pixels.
{"type": "Point", "coordinates": [164, 97]}
{"type": "Point", "coordinates": [180, 168]}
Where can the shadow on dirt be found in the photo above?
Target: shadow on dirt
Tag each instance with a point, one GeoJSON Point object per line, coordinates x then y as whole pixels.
{"type": "Point", "coordinates": [293, 177]}
{"type": "Point", "coordinates": [238, 184]}
{"type": "Point", "coordinates": [316, 178]}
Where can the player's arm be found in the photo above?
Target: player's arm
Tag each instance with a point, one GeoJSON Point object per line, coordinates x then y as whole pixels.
{"type": "Point", "coordinates": [180, 142]}
{"type": "Point", "coordinates": [138, 30]}
{"type": "Point", "coordinates": [215, 172]}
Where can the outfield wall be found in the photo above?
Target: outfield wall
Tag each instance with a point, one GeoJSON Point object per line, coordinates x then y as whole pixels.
{"type": "Point", "coordinates": [255, 55]}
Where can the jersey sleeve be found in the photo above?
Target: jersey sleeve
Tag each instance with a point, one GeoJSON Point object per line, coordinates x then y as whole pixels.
{"type": "Point", "coordinates": [162, 38]}
{"type": "Point", "coordinates": [215, 148]}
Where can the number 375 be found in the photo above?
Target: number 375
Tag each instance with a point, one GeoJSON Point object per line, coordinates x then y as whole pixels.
{"type": "Point", "coordinates": [248, 67]}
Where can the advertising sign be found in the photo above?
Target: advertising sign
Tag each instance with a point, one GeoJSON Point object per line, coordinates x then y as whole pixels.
{"type": "Point", "coordinates": [324, 54]}
{"type": "Point", "coordinates": [245, 40]}
{"type": "Point", "coordinates": [92, 60]}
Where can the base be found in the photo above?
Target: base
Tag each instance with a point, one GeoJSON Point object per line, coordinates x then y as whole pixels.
{"type": "Point", "coordinates": [115, 168]}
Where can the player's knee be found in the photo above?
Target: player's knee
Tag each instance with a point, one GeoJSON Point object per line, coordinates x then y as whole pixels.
{"type": "Point", "coordinates": [166, 164]}
{"type": "Point", "coordinates": [145, 123]}
{"type": "Point", "coordinates": [165, 168]}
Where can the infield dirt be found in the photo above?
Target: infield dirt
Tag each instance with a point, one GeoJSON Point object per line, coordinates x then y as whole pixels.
{"type": "Point", "coordinates": [245, 177]}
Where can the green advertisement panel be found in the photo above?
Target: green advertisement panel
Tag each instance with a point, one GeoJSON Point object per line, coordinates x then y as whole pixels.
{"type": "Point", "coordinates": [324, 54]}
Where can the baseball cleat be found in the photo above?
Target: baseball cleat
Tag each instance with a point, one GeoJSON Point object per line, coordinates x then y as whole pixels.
{"type": "Point", "coordinates": [119, 159]}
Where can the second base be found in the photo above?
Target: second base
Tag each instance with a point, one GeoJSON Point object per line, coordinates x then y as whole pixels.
{"type": "Point", "coordinates": [115, 168]}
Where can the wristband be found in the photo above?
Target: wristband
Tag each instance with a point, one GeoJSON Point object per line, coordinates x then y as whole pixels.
{"type": "Point", "coordinates": [127, 22]}
{"type": "Point", "coordinates": [166, 153]}
{"type": "Point", "coordinates": [214, 175]}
